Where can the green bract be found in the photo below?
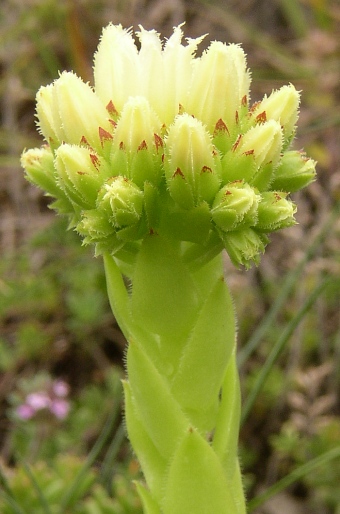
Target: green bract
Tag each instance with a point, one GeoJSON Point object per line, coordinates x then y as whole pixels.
{"type": "Point", "coordinates": [179, 126]}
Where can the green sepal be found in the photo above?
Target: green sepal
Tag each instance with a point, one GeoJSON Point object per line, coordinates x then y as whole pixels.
{"type": "Point", "coordinates": [159, 412]}
{"type": "Point", "coordinates": [153, 464]}
{"type": "Point", "coordinates": [238, 167]}
{"type": "Point", "coordinates": [196, 481]}
{"type": "Point", "coordinates": [187, 225]}
{"type": "Point", "coordinates": [149, 504]}
{"type": "Point", "coordinates": [63, 205]}
{"type": "Point", "coordinates": [119, 162]}
{"type": "Point", "coordinates": [152, 205]}
{"type": "Point", "coordinates": [134, 232]}
{"type": "Point", "coordinates": [222, 139]}
{"type": "Point", "coordinates": [180, 190]}
{"type": "Point", "coordinates": [145, 167]}
{"type": "Point", "coordinates": [202, 365]}
{"type": "Point", "coordinates": [263, 177]}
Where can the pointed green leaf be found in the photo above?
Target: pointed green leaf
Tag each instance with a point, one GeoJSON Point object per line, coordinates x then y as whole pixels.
{"type": "Point", "coordinates": [152, 463]}
{"type": "Point", "coordinates": [149, 504]}
{"type": "Point", "coordinates": [160, 414]}
{"type": "Point", "coordinates": [196, 481]}
{"type": "Point", "coordinates": [205, 356]}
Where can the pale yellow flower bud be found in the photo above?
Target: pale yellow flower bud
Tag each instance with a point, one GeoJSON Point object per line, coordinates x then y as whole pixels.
{"type": "Point", "coordinates": [189, 163]}
{"type": "Point", "coordinates": [81, 111]}
{"type": "Point", "coordinates": [165, 72]}
{"type": "Point", "coordinates": [137, 125]}
{"type": "Point", "coordinates": [220, 81]}
{"type": "Point", "coordinates": [264, 141]}
{"type": "Point", "coordinates": [282, 106]}
{"type": "Point", "coordinates": [49, 121]}
{"type": "Point", "coordinates": [116, 68]}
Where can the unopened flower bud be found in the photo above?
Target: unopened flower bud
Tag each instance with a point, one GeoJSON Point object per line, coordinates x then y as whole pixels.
{"type": "Point", "coordinates": [282, 106]}
{"type": "Point", "coordinates": [189, 163]}
{"type": "Point", "coordinates": [69, 110]}
{"type": "Point", "coordinates": [138, 124]}
{"type": "Point", "coordinates": [122, 200]}
{"type": "Point", "coordinates": [294, 172]}
{"type": "Point", "coordinates": [234, 205]}
{"type": "Point", "coordinates": [275, 212]}
{"type": "Point", "coordinates": [264, 141]}
{"type": "Point", "coordinates": [244, 246]}
{"type": "Point", "coordinates": [95, 227]}
{"type": "Point", "coordinates": [49, 121]}
{"type": "Point", "coordinates": [220, 80]}
{"type": "Point", "coordinates": [81, 173]}
{"type": "Point", "coordinates": [39, 167]}
{"type": "Point", "coordinates": [116, 66]}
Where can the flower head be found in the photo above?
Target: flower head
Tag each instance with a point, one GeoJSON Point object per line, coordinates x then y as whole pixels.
{"type": "Point", "coordinates": [164, 140]}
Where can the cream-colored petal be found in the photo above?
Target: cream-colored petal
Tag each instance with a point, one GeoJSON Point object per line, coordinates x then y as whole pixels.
{"type": "Point", "coordinates": [116, 66]}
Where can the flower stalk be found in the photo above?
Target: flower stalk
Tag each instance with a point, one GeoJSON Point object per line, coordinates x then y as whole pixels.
{"type": "Point", "coordinates": [161, 166]}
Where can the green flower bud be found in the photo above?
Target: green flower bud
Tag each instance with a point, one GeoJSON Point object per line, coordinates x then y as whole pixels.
{"type": "Point", "coordinates": [189, 163]}
{"type": "Point", "coordinates": [122, 200]}
{"type": "Point", "coordinates": [275, 212]}
{"type": "Point", "coordinates": [96, 229]}
{"type": "Point", "coordinates": [294, 172]}
{"type": "Point", "coordinates": [263, 141]}
{"type": "Point", "coordinates": [282, 106]}
{"type": "Point", "coordinates": [219, 83]}
{"type": "Point", "coordinates": [235, 204]}
{"type": "Point", "coordinates": [244, 246]}
{"type": "Point", "coordinates": [81, 173]}
{"type": "Point", "coordinates": [39, 166]}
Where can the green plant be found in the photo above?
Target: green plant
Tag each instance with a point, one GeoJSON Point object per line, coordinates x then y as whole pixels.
{"type": "Point", "coordinates": [160, 192]}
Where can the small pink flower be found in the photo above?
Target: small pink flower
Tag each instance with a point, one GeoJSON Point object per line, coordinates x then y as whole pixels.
{"type": "Point", "coordinates": [60, 388]}
{"type": "Point", "coordinates": [59, 408]}
{"type": "Point", "coordinates": [38, 401]}
{"type": "Point", "coordinates": [25, 411]}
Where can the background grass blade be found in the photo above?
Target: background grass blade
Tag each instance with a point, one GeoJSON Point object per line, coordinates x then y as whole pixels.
{"type": "Point", "coordinates": [286, 288]}
{"type": "Point", "coordinates": [279, 347]}
{"type": "Point", "coordinates": [295, 475]}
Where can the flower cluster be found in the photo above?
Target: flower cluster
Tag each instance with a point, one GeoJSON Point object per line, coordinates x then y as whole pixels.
{"type": "Point", "coordinates": [53, 400]}
{"type": "Point", "coordinates": [168, 142]}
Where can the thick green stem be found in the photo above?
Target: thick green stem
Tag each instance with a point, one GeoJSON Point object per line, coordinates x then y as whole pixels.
{"type": "Point", "coordinates": [182, 399]}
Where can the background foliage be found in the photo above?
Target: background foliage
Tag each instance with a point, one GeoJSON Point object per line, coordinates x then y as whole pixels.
{"type": "Point", "coordinates": [55, 322]}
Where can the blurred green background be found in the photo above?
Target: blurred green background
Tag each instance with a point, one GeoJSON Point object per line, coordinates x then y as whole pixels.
{"type": "Point", "coordinates": [55, 322]}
